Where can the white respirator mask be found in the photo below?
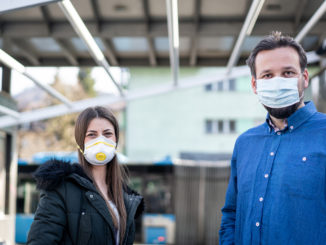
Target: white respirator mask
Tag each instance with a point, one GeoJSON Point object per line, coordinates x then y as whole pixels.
{"type": "Point", "coordinates": [99, 151]}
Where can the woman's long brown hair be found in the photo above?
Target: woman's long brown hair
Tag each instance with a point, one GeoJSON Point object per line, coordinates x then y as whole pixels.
{"type": "Point", "coordinates": [115, 175]}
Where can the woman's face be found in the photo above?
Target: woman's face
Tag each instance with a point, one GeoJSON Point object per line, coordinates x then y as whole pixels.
{"type": "Point", "coordinates": [98, 127]}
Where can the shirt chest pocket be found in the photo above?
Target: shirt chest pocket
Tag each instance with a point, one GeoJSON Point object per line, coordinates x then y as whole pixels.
{"type": "Point", "coordinates": [304, 176]}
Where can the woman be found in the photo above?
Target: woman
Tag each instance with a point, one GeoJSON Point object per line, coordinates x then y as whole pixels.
{"type": "Point", "coordinates": [87, 203]}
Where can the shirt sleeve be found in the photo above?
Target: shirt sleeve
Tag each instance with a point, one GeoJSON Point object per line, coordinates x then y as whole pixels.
{"type": "Point", "coordinates": [49, 221]}
{"type": "Point", "coordinates": [227, 230]}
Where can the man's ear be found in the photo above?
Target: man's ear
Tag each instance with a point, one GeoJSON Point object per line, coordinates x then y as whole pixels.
{"type": "Point", "coordinates": [305, 75]}
{"type": "Point", "coordinates": [253, 85]}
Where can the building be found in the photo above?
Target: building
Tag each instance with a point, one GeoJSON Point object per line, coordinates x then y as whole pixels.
{"type": "Point", "coordinates": [197, 123]}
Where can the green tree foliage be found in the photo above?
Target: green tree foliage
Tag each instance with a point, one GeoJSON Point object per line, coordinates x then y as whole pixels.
{"type": "Point", "coordinates": [86, 81]}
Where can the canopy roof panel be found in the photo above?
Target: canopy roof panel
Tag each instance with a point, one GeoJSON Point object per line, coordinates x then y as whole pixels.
{"type": "Point", "coordinates": [134, 33]}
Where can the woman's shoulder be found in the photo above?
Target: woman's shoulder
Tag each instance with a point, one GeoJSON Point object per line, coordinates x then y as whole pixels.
{"type": "Point", "coordinates": [54, 173]}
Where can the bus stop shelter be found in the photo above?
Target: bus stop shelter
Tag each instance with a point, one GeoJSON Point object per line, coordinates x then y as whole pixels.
{"type": "Point", "coordinates": [146, 33]}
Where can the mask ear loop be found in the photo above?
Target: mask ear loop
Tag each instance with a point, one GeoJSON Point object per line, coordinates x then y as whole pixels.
{"type": "Point", "coordinates": [80, 149]}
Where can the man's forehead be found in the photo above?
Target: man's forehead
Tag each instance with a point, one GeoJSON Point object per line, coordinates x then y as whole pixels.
{"type": "Point", "coordinates": [279, 58]}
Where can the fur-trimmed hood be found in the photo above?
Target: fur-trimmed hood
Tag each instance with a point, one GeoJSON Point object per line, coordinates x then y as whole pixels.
{"type": "Point", "coordinates": [53, 172]}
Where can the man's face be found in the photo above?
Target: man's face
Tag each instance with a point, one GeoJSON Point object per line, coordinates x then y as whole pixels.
{"type": "Point", "coordinates": [280, 62]}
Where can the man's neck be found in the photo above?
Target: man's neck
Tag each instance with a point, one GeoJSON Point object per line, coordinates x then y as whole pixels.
{"type": "Point", "coordinates": [279, 123]}
{"type": "Point", "coordinates": [282, 123]}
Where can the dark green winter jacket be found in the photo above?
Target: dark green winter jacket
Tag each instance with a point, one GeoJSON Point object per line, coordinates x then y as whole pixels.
{"type": "Point", "coordinates": [71, 211]}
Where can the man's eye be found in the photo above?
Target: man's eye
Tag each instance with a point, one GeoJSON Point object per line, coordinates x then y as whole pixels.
{"type": "Point", "coordinates": [265, 76]}
{"type": "Point", "coordinates": [289, 73]}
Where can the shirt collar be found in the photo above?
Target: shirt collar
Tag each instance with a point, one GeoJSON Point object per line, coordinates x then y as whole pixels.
{"type": "Point", "coordinates": [273, 126]}
{"type": "Point", "coordinates": [297, 118]}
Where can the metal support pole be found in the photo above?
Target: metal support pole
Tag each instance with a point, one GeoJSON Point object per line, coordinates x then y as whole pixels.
{"type": "Point", "coordinates": [313, 20]}
{"type": "Point", "coordinates": [6, 79]}
{"type": "Point", "coordinates": [82, 31]}
{"type": "Point", "coordinates": [173, 29]}
{"type": "Point", "coordinates": [246, 30]}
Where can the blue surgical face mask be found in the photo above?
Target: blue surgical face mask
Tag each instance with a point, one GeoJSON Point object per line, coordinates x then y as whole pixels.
{"type": "Point", "coordinates": [278, 92]}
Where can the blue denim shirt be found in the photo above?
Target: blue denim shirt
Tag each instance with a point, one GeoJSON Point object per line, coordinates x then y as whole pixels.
{"type": "Point", "coordinates": [277, 194]}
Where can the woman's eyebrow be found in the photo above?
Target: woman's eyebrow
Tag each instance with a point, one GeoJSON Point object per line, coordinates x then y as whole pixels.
{"type": "Point", "coordinates": [107, 130]}
{"type": "Point", "coordinates": [91, 131]}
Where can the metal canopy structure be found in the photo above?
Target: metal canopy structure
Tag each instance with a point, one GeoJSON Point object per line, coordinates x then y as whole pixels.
{"type": "Point", "coordinates": [135, 33]}
{"type": "Point", "coordinates": [148, 33]}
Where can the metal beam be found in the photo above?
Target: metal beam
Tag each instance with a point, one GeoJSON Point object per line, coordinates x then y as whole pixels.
{"type": "Point", "coordinates": [67, 53]}
{"type": "Point", "coordinates": [313, 20]}
{"type": "Point", "coordinates": [173, 30]}
{"type": "Point", "coordinates": [6, 79]}
{"type": "Point", "coordinates": [194, 39]}
{"type": "Point", "coordinates": [26, 29]}
{"type": "Point", "coordinates": [96, 13]}
{"type": "Point", "coordinates": [109, 51]}
{"type": "Point", "coordinates": [14, 64]}
{"type": "Point", "coordinates": [151, 49]}
{"type": "Point", "coordinates": [9, 112]}
{"type": "Point", "coordinates": [246, 30]}
{"type": "Point", "coordinates": [300, 9]}
{"type": "Point", "coordinates": [47, 17]}
{"type": "Point", "coordinates": [151, 52]}
{"type": "Point", "coordinates": [86, 36]}
{"type": "Point", "coordinates": [58, 110]}
{"type": "Point", "coordinates": [193, 51]}
{"type": "Point", "coordinates": [26, 52]}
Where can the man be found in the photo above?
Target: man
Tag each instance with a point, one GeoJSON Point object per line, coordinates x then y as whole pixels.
{"type": "Point", "coordinates": [277, 194]}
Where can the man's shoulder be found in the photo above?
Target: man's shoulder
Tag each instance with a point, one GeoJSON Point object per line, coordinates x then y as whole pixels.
{"type": "Point", "coordinates": [320, 116]}
{"type": "Point", "coordinates": [318, 119]}
{"type": "Point", "coordinates": [255, 131]}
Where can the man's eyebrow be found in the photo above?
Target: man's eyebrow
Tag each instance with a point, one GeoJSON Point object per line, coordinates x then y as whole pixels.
{"type": "Point", "coordinates": [265, 71]}
{"type": "Point", "coordinates": [289, 68]}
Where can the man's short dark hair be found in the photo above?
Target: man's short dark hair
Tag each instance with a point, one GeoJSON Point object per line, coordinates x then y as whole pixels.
{"type": "Point", "coordinates": [273, 41]}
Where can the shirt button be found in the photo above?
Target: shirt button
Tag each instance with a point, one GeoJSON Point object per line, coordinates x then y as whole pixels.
{"type": "Point", "coordinates": [261, 199]}
{"type": "Point", "coordinates": [291, 127]}
{"type": "Point", "coordinates": [278, 133]}
{"type": "Point", "coordinates": [257, 224]}
{"type": "Point", "coordinates": [304, 159]}
{"type": "Point", "coordinates": [272, 153]}
{"type": "Point", "coordinates": [266, 176]}
{"type": "Point", "coordinates": [91, 196]}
